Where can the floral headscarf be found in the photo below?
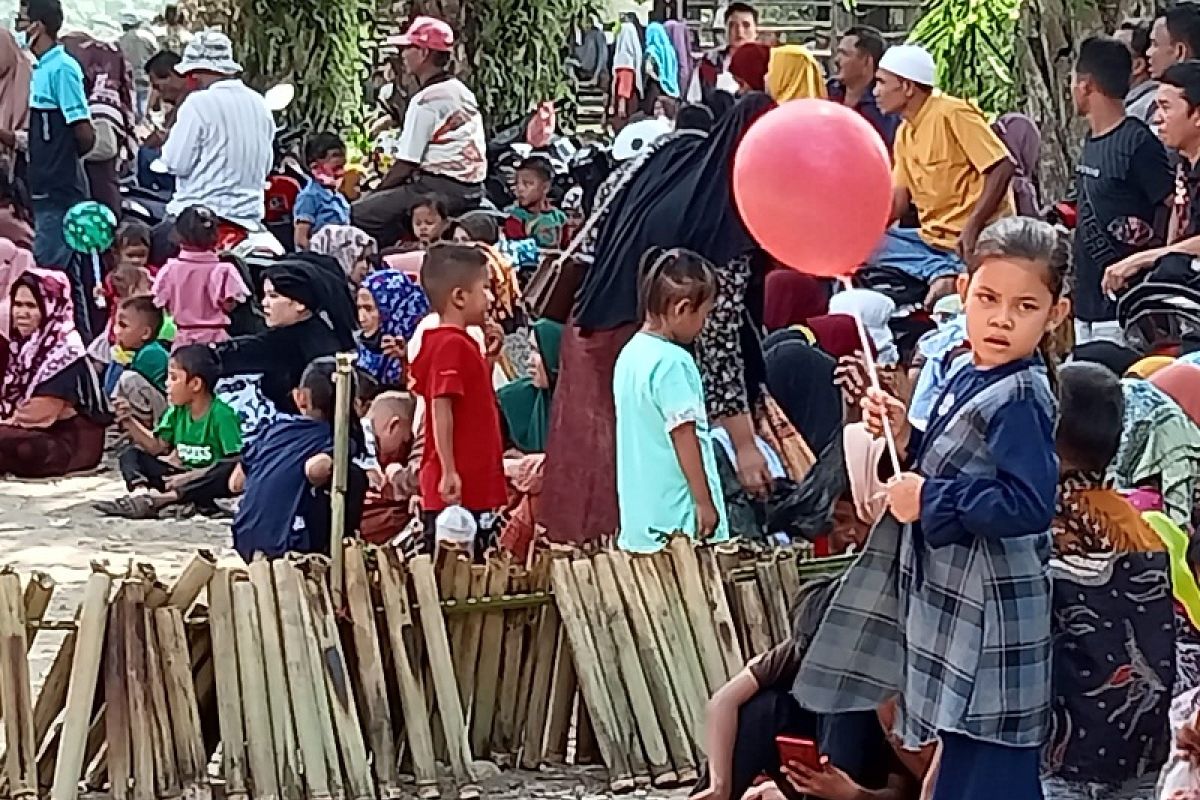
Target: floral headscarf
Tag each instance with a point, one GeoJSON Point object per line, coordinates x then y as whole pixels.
{"type": "Point", "coordinates": [345, 243]}
{"type": "Point", "coordinates": [53, 347]}
{"type": "Point", "coordinates": [402, 304]}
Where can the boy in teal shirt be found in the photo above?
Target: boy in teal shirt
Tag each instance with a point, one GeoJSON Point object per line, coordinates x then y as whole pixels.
{"type": "Point", "coordinates": [142, 383]}
{"type": "Point", "coordinates": [193, 450]}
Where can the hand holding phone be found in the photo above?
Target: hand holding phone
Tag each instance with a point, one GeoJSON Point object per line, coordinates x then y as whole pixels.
{"type": "Point", "coordinates": [802, 751]}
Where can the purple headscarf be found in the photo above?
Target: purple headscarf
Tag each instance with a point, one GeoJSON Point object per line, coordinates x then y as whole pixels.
{"type": "Point", "coordinates": [681, 40]}
{"type": "Point", "coordinates": [1021, 136]}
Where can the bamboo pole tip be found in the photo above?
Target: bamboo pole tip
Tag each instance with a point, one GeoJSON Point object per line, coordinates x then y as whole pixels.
{"type": "Point", "coordinates": [345, 361]}
{"type": "Point", "coordinates": [469, 792]}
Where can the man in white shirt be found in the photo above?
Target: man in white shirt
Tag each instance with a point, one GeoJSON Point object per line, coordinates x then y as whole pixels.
{"type": "Point", "coordinates": [221, 147]}
{"type": "Point", "coordinates": [138, 45]}
{"type": "Point", "coordinates": [442, 150]}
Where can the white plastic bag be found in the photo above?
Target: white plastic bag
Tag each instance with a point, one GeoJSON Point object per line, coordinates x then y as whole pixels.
{"type": "Point", "coordinates": [456, 524]}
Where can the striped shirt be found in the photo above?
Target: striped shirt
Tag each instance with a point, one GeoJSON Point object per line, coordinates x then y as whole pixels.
{"type": "Point", "coordinates": [221, 149]}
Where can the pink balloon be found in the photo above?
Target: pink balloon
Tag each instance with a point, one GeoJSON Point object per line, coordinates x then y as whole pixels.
{"type": "Point", "coordinates": [812, 180]}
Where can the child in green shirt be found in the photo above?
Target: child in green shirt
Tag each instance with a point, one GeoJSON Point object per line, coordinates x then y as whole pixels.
{"type": "Point", "coordinates": [143, 382]}
{"type": "Point", "coordinates": [190, 454]}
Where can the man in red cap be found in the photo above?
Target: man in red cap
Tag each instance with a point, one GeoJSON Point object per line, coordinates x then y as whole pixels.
{"type": "Point", "coordinates": [442, 149]}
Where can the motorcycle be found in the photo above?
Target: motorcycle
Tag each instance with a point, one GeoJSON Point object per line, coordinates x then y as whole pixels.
{"type": "Point", "coordinates": [1158, 317]}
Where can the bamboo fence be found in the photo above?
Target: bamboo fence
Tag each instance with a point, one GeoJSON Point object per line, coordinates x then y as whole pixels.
{"type": "Point", "coordinates": [252, 678]}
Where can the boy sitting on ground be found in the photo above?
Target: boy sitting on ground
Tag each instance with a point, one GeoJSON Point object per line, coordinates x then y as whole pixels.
{"type": "Point", "coordinates": [320, 203]}
{"type": "Point", "coordinates": [533, 216]}
{"type": "Point", "coordinates": [462, 464]}
{"type": "Point", "coordinates": [190, 454]}
{"type": "Point", "coordinates": [386, 511]}
{"type": "Point", "coordinates": [286, 474]}
{"type": "Point", "coordinates": [142, 384]}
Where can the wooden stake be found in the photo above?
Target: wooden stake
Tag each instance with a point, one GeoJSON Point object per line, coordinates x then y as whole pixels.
{"type": "Point", "coordinates": [16, 697]}
{"type": "Point", "coordinates": [774, 600]}
{"type": "Point", "coordinates": [229, 695]}
{"type": "Point", "coordinates": [283, 731]}
{"type": "Point", "coordinates": [195, 576]}
{"type": "Point", "coordinates": [186, 732]}
{"type": "Point", "coordinates": [256, 705]}
{"type": "Point", "coordinates": [591, 679]}
{"type": "Point", "coordinates": [353, 749]}
{"type": "Point", "coordinates": [503, 730]}
{"type": "Point", "coordinates": [544, 647]}
{"type": "Point", "coordinates": [466, 661]}
{"type": "Point", "coordinates": [399, 621]}
{"type": "Point", "coordinates": [166, 772]}
{"type": "Point", "coordinates": [789, 576]}
{"type": "Point", "coordinates": [647, 726]}
{"type": "Point", "coordinates": [563, 687]}
{"type": "Point", "coordinates": [343, 384]}
{"type": "Point", "coordinates": [438, 649]}
{"type": "Point", "coordinates": [689, 651]}
{"type": "Point", "coordinates": [754, 619]}
{"type": "Point", "coordinates": [116, 719]}
{"type": "Point", "coordinates": [718, 607]}
{"type": "Point", "coordinates": [687, 572]}
{"type": "Point", "coordinates": [141, 726]}
{"type": "Point", "coordinates": [302, 683]}
{"type": "Point", "coordinates": [375, 712]}
{"type": "Point", "coordinates": [38, 592]}
{"type": "Point", "coordinates": [490, 652]}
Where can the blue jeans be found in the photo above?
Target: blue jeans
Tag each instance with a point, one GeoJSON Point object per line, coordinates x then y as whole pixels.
{"type": "Point", "coordinates": [148, 178]}
{"type": "Point", "coordinates": [905, 250]}
{"type": "Point", "coordinates": [50, 251]}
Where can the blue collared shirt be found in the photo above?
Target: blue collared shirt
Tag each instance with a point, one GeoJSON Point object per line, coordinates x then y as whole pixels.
{"type": "Point", "coordinates": [867, 106]}
{"type": "Point", "coordinates": [56, 102]}
{"type": "Point", "coordinates": [320, 206]}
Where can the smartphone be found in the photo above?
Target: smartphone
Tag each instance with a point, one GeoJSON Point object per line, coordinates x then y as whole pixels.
{"type": "Point", "coordinates": [803, 751]}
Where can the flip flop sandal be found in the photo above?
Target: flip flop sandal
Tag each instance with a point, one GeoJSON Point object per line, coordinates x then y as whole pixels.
{"type": "Point", "coordinates": [129, 507]}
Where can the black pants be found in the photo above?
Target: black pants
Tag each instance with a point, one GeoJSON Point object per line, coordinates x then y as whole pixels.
{"type": "Point", "coordinates": [139, 468]}
{"type": "Point", "coordinates": [487, 529]}
{"type": "Point", "coordinates": [383, 213]}
{"type": "Point", "coordinates": [854, 742]}
{"type": "Point", "coordinates": [318, 517]}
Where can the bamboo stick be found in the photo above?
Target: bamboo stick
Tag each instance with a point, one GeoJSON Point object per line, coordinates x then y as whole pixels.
{"type": "Point", "coordinates": [16, 697]}
{"type": "Point", "coordinates": [687, 572]}
{"type": "Point", "coordinates": [689, 694]}
{"type": "Point", "coordinates": [563, 687]}
{"type": "Point", "coordinates": [587, 750]}
{"type": "Point", "coordinates": [343, 384]}
{"type": "Point", "coordinates": [302, 682]}
{"type": "Point", "coordinates": [196, 574]}
{"type": "Point", "coordinates": [774, 601]}
{"type": "Point", "coordinates": [229, 696]}
{"type": "Point", "coordinates": [36, 600]}
{"type": "Point", "coordinates": [466, 662]}
{"type": "Point", "coordinates": [636, 687]}
{"type": "Point", "coordinates": [490, 653]}
{"type": "Point", "coordinates": [357, 770]}
{"type": "Point", "coordinates": [503, 736]}
{"type": "Point", "coordinates": [754, 618]}
{"type": "Point", "coordinates": [545, 644]}
{"type": "Point", "coordinates": [141, 728]}
{"type": "Point", "coordinates": [256, 707]}
{"type": "Point", "coordinates": [718, 608]}
{"type": "Point", "coordinates": [591, 680]}
{"type": "Point", "coordinates": [611, 666]}
{"type": "Point", "coordinates": [666, 705]}
{"type": "Point", "coordinates": [438, 649]}
{"type": "Point", "coordinates": [186, 733]}
{"type": "Point", "coordinates": [460, 590]}
{"type": "Point", "coordinates": [52, 697]}
{"type": "Point", "coordinates": [115, 731]}
{"type": "Point", "coordinates": [376, 713]}
{"type": "Point", "coordinates": [789, 576]}
{"type": "Point", "coordinates": [166, 771]}
{"type": "Point", "coordinates": [689, 651]}
{"type": "Point", "coordinates": [393, 591]}
{"type": "Point", "coordinates": [283, 731]}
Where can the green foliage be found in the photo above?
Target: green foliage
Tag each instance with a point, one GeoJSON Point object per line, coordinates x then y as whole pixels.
{"type": "Point", "coordinates": [974, 45]}
{"type": "Point", "coordinates": [315, 45]}
{"type": "Point", "coordinates": [517, 53]}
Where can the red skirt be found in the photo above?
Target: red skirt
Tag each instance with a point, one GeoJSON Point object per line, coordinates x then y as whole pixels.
{"type": "Point", "coordinates": [579, 495]}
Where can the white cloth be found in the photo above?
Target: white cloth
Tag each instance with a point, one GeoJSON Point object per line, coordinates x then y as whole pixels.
{"type": "Point", "coordinates": [221, 150]}
{"type": "Point", "coordinates": [875, 310]}
{"type": "Point", "coordinates": [725, 81]}
{"type": "Point", "coordinates": [443, 133]}
{"type": "Point", "coordinates": [628, 53]}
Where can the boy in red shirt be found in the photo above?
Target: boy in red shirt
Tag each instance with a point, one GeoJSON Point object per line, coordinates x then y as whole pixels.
{"type": "Point", "coordinates": [465, 464]}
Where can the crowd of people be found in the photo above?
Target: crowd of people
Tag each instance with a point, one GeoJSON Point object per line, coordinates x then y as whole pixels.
{"type": "Point", "coordinates": [1018, 476]}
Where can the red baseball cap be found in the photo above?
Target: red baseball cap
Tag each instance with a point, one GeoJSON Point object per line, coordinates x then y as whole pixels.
{"type": "Point", "coordinates": [427, 32]}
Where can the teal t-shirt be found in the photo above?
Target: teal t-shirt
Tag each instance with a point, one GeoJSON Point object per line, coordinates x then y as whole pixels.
{"type": "Point", "coordinates": [657, 387]}
{"type": "Point", "coordinates": [201, 442]}
{"type": "Point", "coordinates": [151, 363]}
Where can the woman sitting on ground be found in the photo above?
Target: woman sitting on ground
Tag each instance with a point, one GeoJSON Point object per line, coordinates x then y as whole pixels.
{"type": "Point", "coordinates": [52, 413]}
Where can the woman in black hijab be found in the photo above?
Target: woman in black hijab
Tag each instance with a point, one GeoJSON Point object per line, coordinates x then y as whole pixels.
{"type": "Point", "coordinates": [800, 379]}
{"type": "Point", "coordinates": [310, 313]}
{"type": "Point", "coordinates": [681, 195]}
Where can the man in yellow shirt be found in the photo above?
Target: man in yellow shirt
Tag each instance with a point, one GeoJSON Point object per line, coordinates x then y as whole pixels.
{"type": "Point", "coordinates": [949, 164]}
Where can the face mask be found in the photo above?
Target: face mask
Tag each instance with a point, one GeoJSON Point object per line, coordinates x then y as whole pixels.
{"type": "Point", "coordinates": [328, 179]}
{"type": "Point", "coordinates": [22, 38]}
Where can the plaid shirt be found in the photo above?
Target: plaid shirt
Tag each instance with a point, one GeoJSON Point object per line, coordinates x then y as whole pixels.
{"type": "Point", "coordinates": [961, 632]}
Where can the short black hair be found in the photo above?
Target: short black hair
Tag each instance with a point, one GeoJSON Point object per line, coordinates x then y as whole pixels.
{"type": "Point", "coordinates": [449, 266]}
{"type": "Point", "coordinates": [133, 231]}
{"type": "Point", "coordinates": [1108, 63]}
{"type": "Point", "coordinates": [673, 275]}
{"type": "Point", "coordinates": [323, 145]}
{"type": "Point", "coordinates": [47, 12]}
{"type": "Point", "coordinates": [367, 387]}
{"type": "Point", "coordinates": [1184, 76]}
{"type": "Point", "coordinates": [1091, 415]}
{"type": "Point", "coordinates": [143, 305]}
{"type": "Point", "coordinates": [162, 64]}
{"type": "Point", "coordinates": [196, 227]}
{"type": "Point", "coordinates": [740, 8]}
{"type": "Point", "coordinates": [431, 201]}
{"type": "Point", "coordinates": [198, 361]}
{"type": "Point", "coordinates": [317, 380]}
{"type": "Point", "coordinates": [694, 117]}
{"type": "Point", "coordinates": [1183, 24]}
{"type": "Point", "coordinates": [538, 165]}
{"type": "Point", "coordinates": [869, 40]}
{"type": "Point", "coordinates": [1139, 36]}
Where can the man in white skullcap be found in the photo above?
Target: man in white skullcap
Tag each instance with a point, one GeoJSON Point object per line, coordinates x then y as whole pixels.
{"type": "Point", "coordinates": [949, 164]}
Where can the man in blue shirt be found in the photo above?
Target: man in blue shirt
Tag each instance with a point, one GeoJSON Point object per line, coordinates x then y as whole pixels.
{"type": "Point", "coordinates": [60, 134]}
{"type": "Point", "coordinates": [320, 203]}
{"type": "Point", "coordinates": [858, 54]}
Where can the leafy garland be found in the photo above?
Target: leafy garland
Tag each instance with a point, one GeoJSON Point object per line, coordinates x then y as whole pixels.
{"type": "Point", "coordinates": [973, 43]}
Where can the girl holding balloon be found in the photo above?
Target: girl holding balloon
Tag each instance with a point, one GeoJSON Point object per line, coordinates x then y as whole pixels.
{"type": "Point", "coordinates": [948, 606]}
